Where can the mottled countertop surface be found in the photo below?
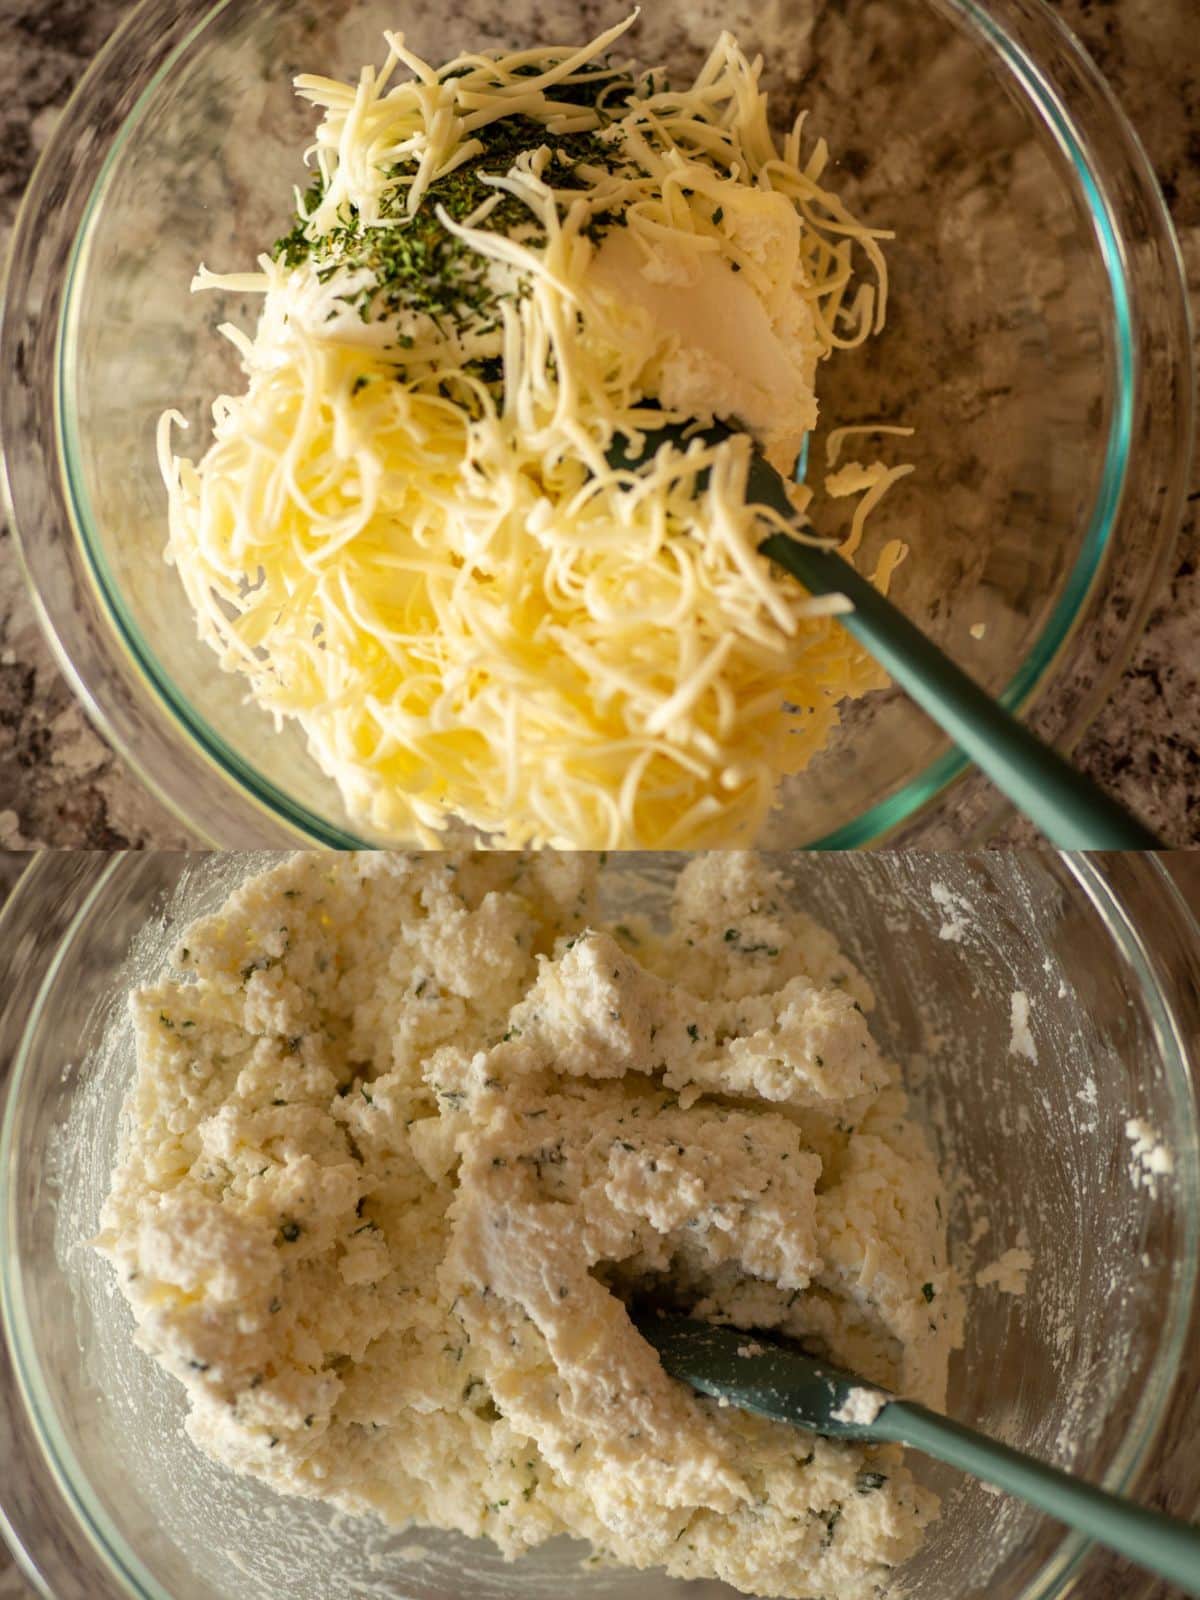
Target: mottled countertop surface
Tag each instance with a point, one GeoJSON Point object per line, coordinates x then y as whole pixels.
{"type": "Point", "coordinates": [61, 785]}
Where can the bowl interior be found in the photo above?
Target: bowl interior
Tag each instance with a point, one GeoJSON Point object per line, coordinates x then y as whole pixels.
{"type": "Point", "coordinates": [1005, 348]}
{"type": "Point", "coordinates": [1077, 1370]}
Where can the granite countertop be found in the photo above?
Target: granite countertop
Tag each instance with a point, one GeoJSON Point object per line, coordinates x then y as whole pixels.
{"type": "Point", "coordinates": [61, 785]}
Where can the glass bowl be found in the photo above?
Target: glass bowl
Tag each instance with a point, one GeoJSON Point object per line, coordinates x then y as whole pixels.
{"type": "Point", "coordinates": [1037, 341]}
{"type": "Point", "coordinates": [1096, 1367]}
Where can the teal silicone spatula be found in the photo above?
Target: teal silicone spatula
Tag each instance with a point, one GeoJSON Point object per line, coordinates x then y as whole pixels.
{"type": "Point", "coordinates": [1069, 809]}
{"type": "Point", "coordinates": [774, 1377]}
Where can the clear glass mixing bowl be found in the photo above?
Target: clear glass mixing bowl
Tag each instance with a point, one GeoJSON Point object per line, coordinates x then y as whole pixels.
{"type": "Point", "coordinates": [1097, 1367]}
{"type": "Point", "coordinates": [1037, 342]}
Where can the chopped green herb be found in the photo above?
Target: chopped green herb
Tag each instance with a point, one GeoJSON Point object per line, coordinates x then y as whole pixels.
{"type": "Point", "coordinates": [414, 263]}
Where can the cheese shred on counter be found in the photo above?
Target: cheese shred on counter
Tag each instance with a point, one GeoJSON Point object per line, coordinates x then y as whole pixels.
{"type": "Point", "coordinates": [406, 534]}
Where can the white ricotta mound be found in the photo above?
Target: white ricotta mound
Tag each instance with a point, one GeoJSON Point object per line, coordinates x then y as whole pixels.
{"type": "Point", "coordinates": [406, 1128]}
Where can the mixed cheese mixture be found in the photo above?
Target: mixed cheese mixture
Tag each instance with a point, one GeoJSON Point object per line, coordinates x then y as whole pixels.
{"type": "Point", "coordinates": [407, 1133]}
{"type": "Point", "coordinates": [407, 533]}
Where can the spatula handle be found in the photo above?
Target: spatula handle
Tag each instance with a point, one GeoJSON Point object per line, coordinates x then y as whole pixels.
{"type": "Point", "coordinates": [1158, 1542]}
{"type": "Point", "coordinates": [1069, 809]}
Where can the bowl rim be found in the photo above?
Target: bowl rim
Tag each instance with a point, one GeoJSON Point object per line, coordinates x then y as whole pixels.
{"type": "Point", "coordinates": [1096, 879]}
{"type": "Point", "coordinates": [1032, 676]}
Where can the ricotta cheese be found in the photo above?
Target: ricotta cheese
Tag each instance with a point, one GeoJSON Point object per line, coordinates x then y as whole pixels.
{"type": "Point", "coordinates": [1008, 1272]}
{"type": "Point", "coordinates": [1021, 1040]}
{"type": "Point", "coordinates": [861, 1406]}
{"type": "Point", "coordinates": [407, 1132]}
{"type": "Point", "coordinates": [1151, 1157]}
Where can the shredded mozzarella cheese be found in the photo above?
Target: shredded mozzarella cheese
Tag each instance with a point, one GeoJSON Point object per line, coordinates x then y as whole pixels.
{"type": "Point", "coordinates": [472, 615]}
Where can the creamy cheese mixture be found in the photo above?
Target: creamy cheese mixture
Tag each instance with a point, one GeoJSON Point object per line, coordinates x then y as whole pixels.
{"type": "Point", "coordinates": [407, 1130]}
{"type": "Point", "coordinates": [407, 534]}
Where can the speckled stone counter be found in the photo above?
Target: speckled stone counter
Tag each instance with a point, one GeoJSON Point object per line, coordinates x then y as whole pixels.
{"type": "Point", "coordinates": [60, 784]}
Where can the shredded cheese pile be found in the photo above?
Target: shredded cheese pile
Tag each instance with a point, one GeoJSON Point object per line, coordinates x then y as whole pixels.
{"type": "Point", "coordinates": [406, 534]}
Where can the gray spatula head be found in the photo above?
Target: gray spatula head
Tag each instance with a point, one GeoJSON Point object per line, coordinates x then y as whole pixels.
{"type": "Point", "coordinates": [761, 1373]}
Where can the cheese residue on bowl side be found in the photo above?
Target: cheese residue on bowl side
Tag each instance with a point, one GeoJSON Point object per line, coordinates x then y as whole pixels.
{"type": "Point", "coordinates": [406, 534]}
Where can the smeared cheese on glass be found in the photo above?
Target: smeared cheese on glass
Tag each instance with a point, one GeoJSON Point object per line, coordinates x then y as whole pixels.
{"type": "Point", "coordinates": [406, 1131]}
{"type": "Point", "coordinates": [405, 533]}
